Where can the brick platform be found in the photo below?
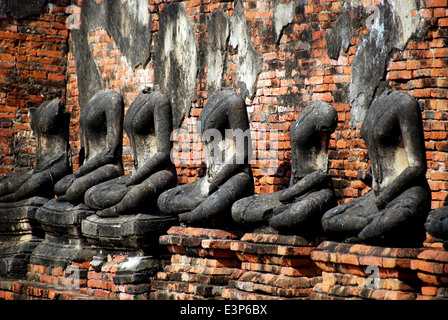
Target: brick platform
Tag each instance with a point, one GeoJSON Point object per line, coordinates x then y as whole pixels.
{"type": "Point", "coordinates": [354, 271]}
{"type": "Point", "coordinates": [113, 276]}
{"type": "Point", "coordinates": [211, 264]}
{"type": "Point", "coordinates": [201, 264]}
{"type": "Point", "coordinates": [59, 276]}
{"type": "Point", "coordinates": [11, 289]}
{"type": "Point", "coordinates": [272, 267]}
{"type": "Point", "coordinates": [432, 269]}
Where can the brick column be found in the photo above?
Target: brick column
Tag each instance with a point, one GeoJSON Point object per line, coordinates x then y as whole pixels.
{"type": "Point", "coordinates": [201, 264]}
{"type": "Point", "coordinates": [273, 267]}
{"type": "Point", "coordinates": [432, 268]}
{"type": "Point", "coordinates": [355, 271]}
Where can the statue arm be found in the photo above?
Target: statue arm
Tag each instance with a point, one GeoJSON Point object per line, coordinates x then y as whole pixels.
{"type": "Point", "coordinates": [51, 163]}
{"type": "Point", "coordinates": [114, 119]}
{"type": "Point", "coordinates": [307, 183]}
{"type": "Point", "coordinates": [163, 127]}
{"type": "Point", "coordinates": [239, 123]}
{"type": "Point", "coordinates": [33, 186]}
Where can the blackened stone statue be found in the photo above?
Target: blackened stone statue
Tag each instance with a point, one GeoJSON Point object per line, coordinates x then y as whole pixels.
{"type": "Point", "coordinates": [437, 225]}
{"type": "Point", "coordinates": [131, 200]}
{"type": "Point", "coordinates": [101, 125]}
{"type": "Point", "coordinates": [23, 193]}
{"type": "Point", "coordinates": [50, 125]}
{"type": "Point", "coordinates": [224, 128]}
{"type": "Point", "coordinates": [299, 208]}
{"type": "Point", "coordinates": [393, 213]}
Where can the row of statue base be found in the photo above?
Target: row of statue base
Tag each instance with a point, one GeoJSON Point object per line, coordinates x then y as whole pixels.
{"type": "Point", "coordinates": [98, 205]}
{"type": "Point", "coordinates": [213, 264]}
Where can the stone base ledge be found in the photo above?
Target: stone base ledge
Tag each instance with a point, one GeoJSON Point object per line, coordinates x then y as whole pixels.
{"type": "Point", "coordinates": [356, 271]}
{"type": "Point", "coordinates": [212, 264]}
{"type": "Point", "coordinates": [114, 277]}
{"type": "Point", "coordinates": [273, 267]}
{"type": "Point", "coordinates": [201, 264]}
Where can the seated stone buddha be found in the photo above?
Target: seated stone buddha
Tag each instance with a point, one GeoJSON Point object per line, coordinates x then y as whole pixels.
{"type": "Point", "coordinates": [132, 199]}
{"type": "Point", "coordinates": [299, 208]}
{"type": "Point", "coordinates": [394, 211]}
{"type": "Point", "coordinates": [101, 124]}
{"type": "Point", "coordinates": [148, 124]}
{"type": "Point", "coordinates": [22, 194]}
{"type": "Point", "coordinates": [50, 125]}
{"type": "Point", "coordinates": [437, 225]}
{"type": "Point", "coordinates": [224, 128]}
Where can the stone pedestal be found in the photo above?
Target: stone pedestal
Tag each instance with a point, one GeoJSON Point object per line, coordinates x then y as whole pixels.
{"type": "Point", "coordinates": [19, 234]}
{"type": "Point", "coordinates": [138, 232]}
{"type": "Point", "coordinates": [63, 242]}
{"type": "Point", "coordinates": [272, 267]}
{"type": "Point", "coordinates": [431, 266]}
{"type": "Point", "coordinates": [129, 254]}
{"type": "Point", "coordinates": [355, 271]}
{"type": "Point", "coordinates": [201, 264]}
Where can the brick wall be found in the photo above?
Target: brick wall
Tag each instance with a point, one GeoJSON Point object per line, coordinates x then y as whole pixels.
{"type": "Point", "coordinates": [33, 59]}
{"type": "Point", "coordinates": [421, 70]}
{"type": "Point", "coordinates": [295, 70]}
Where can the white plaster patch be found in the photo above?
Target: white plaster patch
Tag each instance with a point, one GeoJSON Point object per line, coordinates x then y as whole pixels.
{"type": "Point", "coordinates": [249, 58]}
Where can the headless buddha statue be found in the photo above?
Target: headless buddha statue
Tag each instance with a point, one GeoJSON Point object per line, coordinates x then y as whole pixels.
{"type": "Point", "coordinates": [148, 124]}
{"type": "Point", "coordinates": [50, 125]}
{"type": "Point", "coordinates": [22, 194]}
{"type": "Point", "coordinates": [393, 213]}
{"type": "Point", "coordinates": [299, 208]}
{"type": "Point", "coordinates": [101, 125]}
{"type": "Point", "coordinates": [224, 128]}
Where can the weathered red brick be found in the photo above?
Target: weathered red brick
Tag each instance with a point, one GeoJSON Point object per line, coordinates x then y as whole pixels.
{"type": "Point", "coordinates": [436, 3]}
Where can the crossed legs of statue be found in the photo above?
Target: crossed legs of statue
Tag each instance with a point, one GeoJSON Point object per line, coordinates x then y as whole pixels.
{"type": "Point", "coordinates": [304, 212]}
{"type": "Point", "coordinates": [396, 224]}
{"type": "Point", "coordinates": [113, 197]}
{"type": "Point", "coordinates": [74, 188]}
{"type": "Point", "coordinates": [193, 203]}
{"type": "Point", "coordinates": [9, 183]}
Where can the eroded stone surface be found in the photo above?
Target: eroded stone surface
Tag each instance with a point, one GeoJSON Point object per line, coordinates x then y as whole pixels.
{"type": "Point", "coordinates": [218, 30]}
{"type": "Point", "coordinates": [127, 22]}
{"type": "Point", "coordinates": [176, 55]}
{"type": "Point", "coordinates": [299, 208]}
{"type": "Point", "coordinates": [249, 60]}
{"type": "Point", "coordinates": [394, 211]}
{"type": "Point", "coordinates": [390, 25]}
